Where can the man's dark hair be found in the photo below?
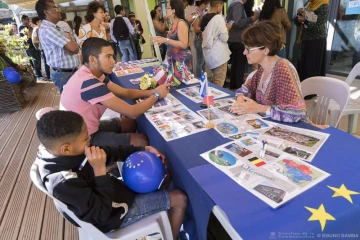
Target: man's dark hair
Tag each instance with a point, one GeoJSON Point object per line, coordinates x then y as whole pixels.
{"type": "Point", "coordinates": [118, 9]}
{"type": "Point", "coordinates": [93, 47]}
{"type": "Point", "coordinates": [131, 14]}
{"type": "Point", "coordinates": [178, 6]}
{"type": "Point", "coordinates": [213, 3]}
{"type": "Point", "coordinates": [92, 8]}
{"type": "Point", "coordinates": [190, 2]}
{"type": "Point", "coordinates": [198, 3]}
{"type": "Point", "coordinates": [56, 126]}
{"type": "Point", "coordinates": [24, 17]}
{"type": "Point", "coordinates": [35, 20]}
{"type": "Point", "coordinates": [40, 7]}
{"type": "Point", "coordinates": [63, 16]}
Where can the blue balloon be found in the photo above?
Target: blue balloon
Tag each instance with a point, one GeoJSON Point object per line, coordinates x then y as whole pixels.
{"type": "Point", "coordinates": [7, 71]}
{"type": "Point", "coordinates": [13, 77]}
{"type": "Point", "coordinates": [143, 172]}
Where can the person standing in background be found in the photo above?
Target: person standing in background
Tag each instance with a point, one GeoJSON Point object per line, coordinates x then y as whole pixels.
{"type": "Point", "coordinates": [237, 17]}
{"type": "Point", "coordinates": [14, 30]}
{"type": "Point", "coordinates": [95, 15]}
{"type": "Point", "coordinates": [178, 55]}
{"type": "Point", "coordinates": [273, 11]}
{"type": "Point", "coordinates": [312, 37]}
{"type": "Point", "coordinates": [65, 27]}
{"type": "Point", "coordinates": [26, 30]}
{"type": "Point", "coordinates": [120, 31]}
{"type": "Point", "coordinates": [36, 42]}
{"type": "Point", "coordinates": [200, 6]}
{"type": "Point", "coordinates": [106, 24]}
{"type": "Point", "coordinates": [160, 27]}
{"type": "Point", "coordinates": [77, 25]}
{"type": "Point", "coordinates": [215, 36]}
{"type": "Point", "coordinates": [60, 52]}
{"type": "Point", "coordinates": [137, 38]}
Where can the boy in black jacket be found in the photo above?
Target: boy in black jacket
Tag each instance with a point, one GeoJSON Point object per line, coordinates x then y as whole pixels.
{"type": "Point", "coordinates": [93, 195]}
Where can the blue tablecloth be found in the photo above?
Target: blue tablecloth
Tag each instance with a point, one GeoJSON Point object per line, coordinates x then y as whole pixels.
{"type": "Point", "coordinates": [253, 219]}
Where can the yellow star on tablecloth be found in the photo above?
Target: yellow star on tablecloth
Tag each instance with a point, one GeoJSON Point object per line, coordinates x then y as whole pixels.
{"type": "Point", "coordinates": [343, 192]}
{"type": "Point", "coordinates": [320, 215]}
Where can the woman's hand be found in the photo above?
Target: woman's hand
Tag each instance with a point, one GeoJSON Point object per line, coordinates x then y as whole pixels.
{"type": "Point", "coordinates": [159, 40]}
{"type": "Point", "coordinates": [245, 105]}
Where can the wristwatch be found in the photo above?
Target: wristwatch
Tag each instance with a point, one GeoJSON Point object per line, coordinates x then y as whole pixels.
{"type": "Point", "coordinates": [156, 95]}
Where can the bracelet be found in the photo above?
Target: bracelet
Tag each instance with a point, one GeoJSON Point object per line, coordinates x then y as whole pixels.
{"type": "Point", "coordinates": [167, 41]}
{"type": "Point", "coordinates": [156, 95]}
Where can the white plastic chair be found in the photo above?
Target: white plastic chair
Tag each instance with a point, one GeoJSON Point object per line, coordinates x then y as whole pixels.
{"type": "Point", "coordinates": [224, 221]}
{"type": "Point", "coordinates": [353, 106]}
{"type": "Point", "coordinates": [327, 89]}
{"type": "Point", "coordinates": [156, 223]}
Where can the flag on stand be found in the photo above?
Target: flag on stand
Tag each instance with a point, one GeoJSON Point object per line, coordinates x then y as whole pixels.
{"type": "Point", "coordinates": [202, 85]}
{"type": "Point", "coordinates": [204, 90]}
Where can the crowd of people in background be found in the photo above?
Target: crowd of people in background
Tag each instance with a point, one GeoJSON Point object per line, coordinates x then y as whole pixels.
{"type": "Point", "coordinates": [211, 31]}
{"type": "Point", "coordinates": [80, 60]}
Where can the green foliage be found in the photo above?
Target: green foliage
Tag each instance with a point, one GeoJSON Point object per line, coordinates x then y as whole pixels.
{"type": "Point", "coordinates": [14, 46]}
{"type": "Point", "coordinates": [3, 5]}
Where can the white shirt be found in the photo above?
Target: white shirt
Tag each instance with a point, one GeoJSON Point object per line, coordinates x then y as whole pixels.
{"type": "Point", "coordinates": [35, 35]}
{"type": "Point", "coordinates": [65, 27]}
{"type": "Point", "coordinates": [215, 37]}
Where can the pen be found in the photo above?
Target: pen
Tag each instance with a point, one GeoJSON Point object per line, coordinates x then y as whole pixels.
{"type": "Point", "coordinates": [83, 164]}
{"type": "Point", "coordinates": [263, 148]}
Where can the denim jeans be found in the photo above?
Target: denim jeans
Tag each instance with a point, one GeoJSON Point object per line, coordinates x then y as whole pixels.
{"type": "Point", "coordinates": [60, 78]}
{"type": "Point", "coordinates": [200, 61]}
{"type": "Point", "coordinates": [282, 53]}
{"type": "Point", "coordinates": [127, 51]}
{"type": "Point", "coordinates": [36, 60]}
{"type": "Point", "coordinates": [47, 67]}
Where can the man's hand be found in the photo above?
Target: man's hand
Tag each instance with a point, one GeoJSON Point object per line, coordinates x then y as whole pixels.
{"type": "Point", "coordinates": [256, 15]}
{"type": "Point", "coordinates": [97, 159]}
{"type": "Point", "coordinates": [163, 90]}
{"type": "Point", "coordinates": [301, 19]}
{"type": "Point", "coordinates": [68, 52]}
{"type": "Point", "coordinates": [157, 153]}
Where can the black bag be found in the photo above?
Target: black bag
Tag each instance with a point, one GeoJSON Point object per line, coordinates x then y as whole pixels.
{"type": "Point", "coordinates": [120, 29]}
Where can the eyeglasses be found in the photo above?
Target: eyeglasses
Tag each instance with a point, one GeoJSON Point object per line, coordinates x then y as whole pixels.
{"type": "Point", "coordinates": [252, 49]}
{"type": "Point", "coordinates": [56, 9]}
{"type": "Point", "coordinates": [169, 8]}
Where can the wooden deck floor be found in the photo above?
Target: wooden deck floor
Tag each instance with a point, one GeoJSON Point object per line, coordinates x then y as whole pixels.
{"type": "Point", "coordinates": [26, 212]}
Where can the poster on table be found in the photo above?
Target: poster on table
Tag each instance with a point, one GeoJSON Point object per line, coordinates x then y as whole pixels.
{"type": "Point", "coordinates": [232, 125]}
{"type": "Point", "coordinates": [299, 142]}
{"type": "Point", "coordinates": [352, 7]}
{"type": "Point", "coordinates": [193, 93]}
{"type": "Point", "coordinates": [275, 178]}
{"type": "Point", "coordinates": [168, 101]}
{"type": "Point", "coordinates": [174, 122]}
